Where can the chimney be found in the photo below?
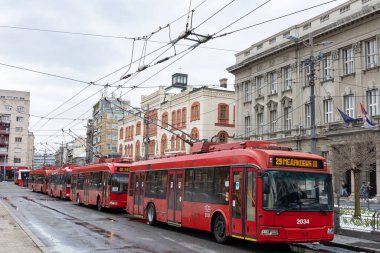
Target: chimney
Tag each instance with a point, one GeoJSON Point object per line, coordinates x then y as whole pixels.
{"type": "Point", "coordinates": [223, 82]}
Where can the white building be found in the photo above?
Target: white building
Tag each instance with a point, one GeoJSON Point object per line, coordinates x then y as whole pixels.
{"type": "Point", "coordinates": [14, 135]}
{"type": "Point", "coordinates": [273, 82]}
{"type": "Point", "coordinates": [179, 112]}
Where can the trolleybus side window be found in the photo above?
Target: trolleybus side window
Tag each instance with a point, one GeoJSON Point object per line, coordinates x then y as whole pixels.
{"type": "Point", "coordinates": [156, 184]}
{"type": "Point", "coordinates": [119, 183]}
{"type": "Point", "coordinates": [207, 185]}
{"type": "Point", "coordinates": [80, 182]}
{"type": "Point", "coordinates": [96, 179]}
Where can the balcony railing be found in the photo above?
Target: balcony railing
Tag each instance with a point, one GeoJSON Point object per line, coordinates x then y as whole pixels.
{"type": "Point", "coordinates": [4, 131]}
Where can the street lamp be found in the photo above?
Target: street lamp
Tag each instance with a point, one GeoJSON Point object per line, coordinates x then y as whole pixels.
{"type": "Point", "coordinates": [313, 145]}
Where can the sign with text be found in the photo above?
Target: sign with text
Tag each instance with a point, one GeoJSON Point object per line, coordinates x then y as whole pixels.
{"type": "Point", "coordinates": [297, 162]}
{"type": "Point", "coordinates": [123, 169]}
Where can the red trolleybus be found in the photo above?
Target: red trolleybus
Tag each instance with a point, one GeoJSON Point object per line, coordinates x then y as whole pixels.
{"type": "Point", "coordinates": [101, 184]}
{"type": "Point", "coordinates": [254, 190]}
{"type": "Point", "coordinates": [60, 182]}
{"type": "Point", "coordinates": [38, 179]}
{"type": "Point", "coordinates": [21, 177]}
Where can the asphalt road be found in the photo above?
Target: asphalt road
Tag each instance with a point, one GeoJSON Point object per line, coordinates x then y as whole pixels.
{"type": "Point", "coordinates": [66, 227]}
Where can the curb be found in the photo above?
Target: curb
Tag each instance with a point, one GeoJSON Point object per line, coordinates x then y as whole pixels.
{"type": "Point", "coordinates": [351, 247]}
{"type": "Point", "coordinates": [37, 241]}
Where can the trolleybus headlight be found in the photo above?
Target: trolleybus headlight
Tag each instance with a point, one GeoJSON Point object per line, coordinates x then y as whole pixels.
{"type": "Point", "coordinates": [273, 232]}
{"type": "Point", "coordinates": [330, 231]}
{"type": "Point", "coordinates": [113, 202]}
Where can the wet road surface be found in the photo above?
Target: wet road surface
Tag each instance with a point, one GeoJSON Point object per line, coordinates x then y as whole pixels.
{"type": "Point", "coordinates": [64, 226]}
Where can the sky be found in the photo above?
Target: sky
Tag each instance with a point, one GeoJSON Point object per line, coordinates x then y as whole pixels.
{"type": "Point", "coordinates": [92, 39]}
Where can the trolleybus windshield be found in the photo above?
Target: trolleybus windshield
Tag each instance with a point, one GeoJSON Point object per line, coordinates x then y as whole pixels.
{"type": "Point", "coordinates": [297, 191]}
{"type": "Point", "coordinates": [119, 183]}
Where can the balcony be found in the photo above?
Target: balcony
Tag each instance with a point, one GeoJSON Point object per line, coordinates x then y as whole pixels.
{"type": "Point", "coordinates": [3, 152]}
{"type": "Point", "coordinates": [4, 131]}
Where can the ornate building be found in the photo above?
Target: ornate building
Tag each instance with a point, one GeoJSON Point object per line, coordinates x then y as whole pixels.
{"type": "Point", "coordinates": [178, 112]}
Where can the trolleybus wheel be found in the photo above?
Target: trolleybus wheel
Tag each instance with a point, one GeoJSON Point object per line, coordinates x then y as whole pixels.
{"type": "Point", "coordinates": [219, 229]}
{"type": "Point", "coordinates": [98, 205]}
{"type": "Point", "coordinates": [151, 215]}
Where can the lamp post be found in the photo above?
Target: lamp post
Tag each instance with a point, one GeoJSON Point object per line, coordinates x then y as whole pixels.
{"type": "Point", "coordinates": [310, 45]}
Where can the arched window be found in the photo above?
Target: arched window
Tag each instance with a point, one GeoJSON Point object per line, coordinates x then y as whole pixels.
{"type": "Point", "coordinates": [126, 150]}
{"type": "Point", "coordinates": [132, 129]}
{"type": "Point", "coordinates": [126, 133]}
{"type": "Point", "coordinates": [165, 119]}
{"type": "Point", "coordinates": [131, 150]}
{"type": "Point", "coordinates": [137, 152]}
{"type": "Point", "coordinates": [172, 143]}
{"type": "Point", "coordinates": [177, 143]}
{"type": "Point", "coordinates": [179, 117]}
{"type": "Point", "coordinates": [222, 137]}
{"type": "Point", "coordinates": [174, 118]}
{"type": "Point", "coordinates": [121, 133]}
{"type": "Point", "coordinates": [152, 145]}
{"type": "Point", "coordinates": [164, 144]}
{"type": "Point", "coordinates": [183, 147]}
{"type": "Point", "coordinates": [195, 111]}
{"type": "Point", "coordinates": [184, 117]}
{"type": "Point", "coordinates": [121, 149]}
{"type": "Point", "coordinates": [138, 128]}
{"type": "Point", "coordinates": [195, 133]}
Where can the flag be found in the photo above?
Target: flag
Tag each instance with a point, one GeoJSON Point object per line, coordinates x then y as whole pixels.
{"type": "Point", "coordinates": [347, 119]}
{"type": "Point", "coordinates": [366, 120]}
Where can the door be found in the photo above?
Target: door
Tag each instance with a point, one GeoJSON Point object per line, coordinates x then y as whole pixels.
{"type": "Point", "coordinates": [138, 203]}
{"type": "Point", "coordinates": [243, 202]}
{"type": "Point", "coordinates": [105, 188]}
{"type": "Point", "coordinates": [175, 196]}
{"type": "Point", "coordinates": [86, 187]}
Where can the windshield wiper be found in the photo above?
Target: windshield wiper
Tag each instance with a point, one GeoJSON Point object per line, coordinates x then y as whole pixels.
{"type": "Point", "coordinates": [287, 209]}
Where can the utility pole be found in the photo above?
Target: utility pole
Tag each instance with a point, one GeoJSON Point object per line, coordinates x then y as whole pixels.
{"type": "Point", "coordinates": [313, 144]}
{"type": "Point", "coordinates": [147, 134]}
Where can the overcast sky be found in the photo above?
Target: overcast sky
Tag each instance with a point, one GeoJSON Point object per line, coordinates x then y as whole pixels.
{"type": "Point", "coordinates": [90, 58]}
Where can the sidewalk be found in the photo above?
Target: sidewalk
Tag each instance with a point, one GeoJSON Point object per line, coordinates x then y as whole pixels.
{"type": "Point", "coordinates": [16, 237]}
{"type": "Point", "coordinates": [356, 244]}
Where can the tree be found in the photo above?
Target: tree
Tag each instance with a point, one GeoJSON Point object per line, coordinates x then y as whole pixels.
{"type": "Point", "coordinates": [358, 156]}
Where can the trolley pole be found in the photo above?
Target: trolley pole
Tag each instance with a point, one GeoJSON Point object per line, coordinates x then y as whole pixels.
{"type": "Point", "coordinates": [147, 134]}
{"type": "Point", "coordinates": [313, 144]}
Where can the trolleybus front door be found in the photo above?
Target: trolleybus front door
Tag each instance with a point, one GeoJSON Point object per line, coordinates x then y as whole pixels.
{"type": "Point", "coordinates": [175, 196]}
{"type": "Point", "coordinates": [243, 203]}
{"type": "Point", "coordinates": [106, 188]}
{"type": "Point", "coordinates": [138, 203]}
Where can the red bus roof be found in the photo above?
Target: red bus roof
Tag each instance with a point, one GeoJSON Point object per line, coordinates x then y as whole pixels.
{"type": "Point", "coordinates": [111, 167]}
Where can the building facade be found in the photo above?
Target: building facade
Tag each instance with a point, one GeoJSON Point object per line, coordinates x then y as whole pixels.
{"type": "Point", "coordinates": [275, 79]}
{"type": "Point", "coordinates": [43, 159]}
{"type": "Point", "coordinates": [14, 134]}
{"type": "Point", "coordinates": [106, 113]}
{"type": "Point", "coordinates": [178, 114]}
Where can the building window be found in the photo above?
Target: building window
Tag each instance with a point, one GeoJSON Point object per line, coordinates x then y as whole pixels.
{"type": "Point", "coordinates": [372, 99]}
{"type": "Point", "coordinates": [273, 121]}
{"type": "Point", "coordinates": [195, 111]}
{"type": "Point", "coordinates": [273, 40]}
{"type": "Point", "coordinates": [222, 137]}
{"type": "Point", "coordinates": [307, 26]}
{"type": "Point", "coordinates": [307, 71]}
{"type": "Point", "coordinates": [8, 107]}
{"type": "Point", "coordinates": [165, 120]}
{"type": "Point", "coordinates": [247, 126]}
{"type": "Point", "coordinates": [184, 117]}
{"type": "Point", "coordinates": [17, 160]}
{"type": "Point", "coordinates": [344, 9]}
{"type": "Point", "coordinates": [164, 144]}
{"type": "Point", "coordinates": [260, 46]}
{"type": "Point", "coordinates": [287, 78]}
{"type": "Point", "coordinates": [174, 114]}
{"type": "Point", "coordinates": [365, 1]}
{"type": "Point", "coordinates": [327, 67]}
{"type": "Point", "coordinates": [260, 123]}
{"type": "Point", "coordinates": [223, 113]}
{"type": "Point", "coordinates": [18, 139]}
{"type": "Point", "coordinates": [349, 105]}
{"type": "Point", "coordinates": [179, 114]}
{"type": "Point", "coordinates": [259, 85]}
{"type": "Point", "coordinates": [20, 108]}
{"type": "Point", "coordinates": [19, 119]}
{"type": "Point", "coordinates": [273, 82]}
{"type": "Point", "coordinates": [138, 128]}
{"type": "Point", "coordinates": [348, 61]}
{"type": "Point", "coordinates": [195, 133]}
{"type": "Point", "coordinates": [371, 53]}
{"type": "Point", "coordinates": [247, 91]}
{"type": "Point", "coordinates": [324, 18]}
{"type": "Point", "coordinates": [308, 115]}
{"type": "Point", "coordinates": [18, 129]}
{"type": "Point", "coordinates": [137, 151]}
{"type": "Point", "coordinates": [327, 110]}
{"type": "Point", "coordinates": [121, 149]}
{"type": "Point", "coordinates": [121, 133]}
{"type": "Point", "coordinates": [288, 118]}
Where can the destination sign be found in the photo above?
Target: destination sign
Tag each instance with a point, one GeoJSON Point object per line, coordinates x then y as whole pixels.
{"type": "Point", "coordinates": [297, 162]}
{"type": "Point", "coordinates": [123, 169]}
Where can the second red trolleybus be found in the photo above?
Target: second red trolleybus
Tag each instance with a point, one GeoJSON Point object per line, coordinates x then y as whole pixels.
{"type": "Point", "coordinates": [101, 184]}
{"type": "Point", "coordinates": [38, 179]}
{"type": "Point", "coordinates": [21, 177]}
{"type": "Point", "coordinates": [254, 190]}
{"type": "Point", "coordinates": [59, 182]}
